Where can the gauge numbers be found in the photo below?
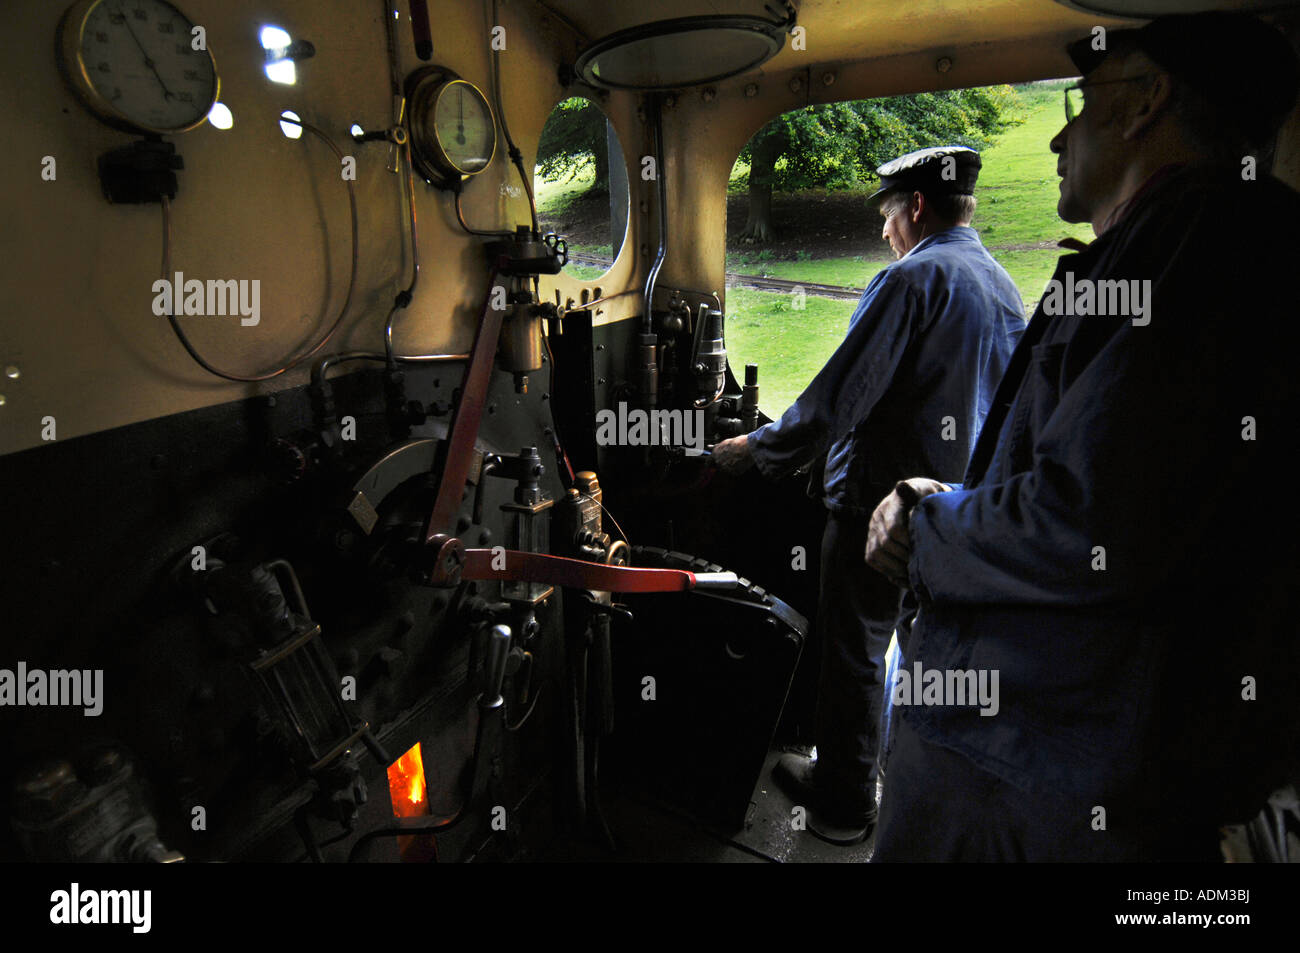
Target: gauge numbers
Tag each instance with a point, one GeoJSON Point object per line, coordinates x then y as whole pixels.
{"type": "Point", "coordinates": [134, 64]}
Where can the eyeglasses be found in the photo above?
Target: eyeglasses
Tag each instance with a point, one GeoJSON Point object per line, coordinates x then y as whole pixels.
{"type": "Point", "coordinates": [1074, 94]}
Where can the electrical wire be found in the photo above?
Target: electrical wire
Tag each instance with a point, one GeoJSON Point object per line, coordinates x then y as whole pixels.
{"type": "Point", "coordinates": [325, 363]}
{"type": "Point", "coordinates": [584, 496]}
{"type": "Point", "coordinates": [347, 299]}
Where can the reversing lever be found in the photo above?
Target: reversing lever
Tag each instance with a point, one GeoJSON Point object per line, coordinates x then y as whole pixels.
{"type": "Point", "coordinates": [498, 651]}
{"type": "Point", "coordinates": [491, 713]}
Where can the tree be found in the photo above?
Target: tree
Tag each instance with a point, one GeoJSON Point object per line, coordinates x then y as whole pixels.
{"type": "Point", "coordinates": [574, 139]}
{"type": "Point", "coordinates": [835, 145]}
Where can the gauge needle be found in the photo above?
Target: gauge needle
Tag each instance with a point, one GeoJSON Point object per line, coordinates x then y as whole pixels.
{"type": "Point", "coordinates": [167, 93]}
{"type": "Point", "coordinates": [460, 127]}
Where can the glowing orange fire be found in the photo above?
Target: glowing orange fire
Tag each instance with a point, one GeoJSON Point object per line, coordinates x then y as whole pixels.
{"type": "Point", "coordinates": [406, 785]}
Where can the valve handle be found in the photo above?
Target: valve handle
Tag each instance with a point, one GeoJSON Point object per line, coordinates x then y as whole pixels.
{"type": "Point", "coordinates": [558, 246]}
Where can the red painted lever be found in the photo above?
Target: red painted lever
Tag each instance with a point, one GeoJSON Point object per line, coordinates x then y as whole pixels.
{"type": "Point", "coordinates": [516, 566]}
{"type": "Point", "coordinates": [465, 422]}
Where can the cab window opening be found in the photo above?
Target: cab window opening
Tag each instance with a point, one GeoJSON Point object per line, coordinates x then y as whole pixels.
{"type": "Point", "coordinates": [802, 244]}
{"type": "Point", "coordinates": [581, 184]}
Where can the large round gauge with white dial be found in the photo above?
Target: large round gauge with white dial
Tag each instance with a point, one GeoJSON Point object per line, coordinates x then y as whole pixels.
{"type": "Point", "coordinates": [453, 131]}
{"type": "Point", "coordinates": [135, 64]}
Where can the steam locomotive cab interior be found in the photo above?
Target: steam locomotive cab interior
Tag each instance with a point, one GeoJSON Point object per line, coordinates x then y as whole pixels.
{"type": "Point", "coordinates": [364, 527]}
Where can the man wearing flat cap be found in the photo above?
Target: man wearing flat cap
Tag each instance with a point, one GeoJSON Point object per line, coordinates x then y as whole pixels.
{"type": "Point", "coordinates": [1121, 552]}
{"type": "Point", "coordinates": [905, 393]}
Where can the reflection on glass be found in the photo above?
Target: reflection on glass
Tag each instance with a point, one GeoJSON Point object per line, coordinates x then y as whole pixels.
{"type": "Point", "coordinates": [291, 129]}
{"type": "Point", "coordinates": [274, 38]}
{"type": "Point", "coordinates": [220, 116]}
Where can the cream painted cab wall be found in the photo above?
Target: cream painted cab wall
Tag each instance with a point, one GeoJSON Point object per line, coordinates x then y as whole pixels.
{"type": "Point", "coordinates": [76, 296]}
{"type": "Point", "coordinates": [76, 273]}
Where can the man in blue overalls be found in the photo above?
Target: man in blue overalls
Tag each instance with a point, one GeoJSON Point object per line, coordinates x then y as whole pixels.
{"type": "Point", "coordinates": [1121, 560]}
{"type": "Point", "coordinates": [906, 392]}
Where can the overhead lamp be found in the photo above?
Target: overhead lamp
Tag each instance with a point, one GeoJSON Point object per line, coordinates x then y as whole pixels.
{"type": "Point", "coordinates": [685, 51]}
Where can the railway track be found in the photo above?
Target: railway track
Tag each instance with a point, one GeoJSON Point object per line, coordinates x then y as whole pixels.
{"type": "Point", "coordinates": [756, 281]}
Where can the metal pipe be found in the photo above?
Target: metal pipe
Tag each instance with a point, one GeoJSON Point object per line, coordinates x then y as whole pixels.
{"type": "Point", "coordinates": [647, 325]}
{"type": "Point", "coordinates": [404, 298]}
{"type": "Point", "coordinates": [321, 366]}
{"type": "Point", "coordinates": [515, 155]}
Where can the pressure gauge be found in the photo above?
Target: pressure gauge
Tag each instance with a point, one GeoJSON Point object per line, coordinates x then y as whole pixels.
{"type": "Point", "coordinates": [135, 66]}
{"type": "Point", "coordinates": [453, 131]}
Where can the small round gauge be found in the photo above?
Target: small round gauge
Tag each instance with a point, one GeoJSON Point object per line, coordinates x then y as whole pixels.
{"type": "Point", "coordinates": [134, 64]}
{"type": "Point", "coordinates": [453, 131]}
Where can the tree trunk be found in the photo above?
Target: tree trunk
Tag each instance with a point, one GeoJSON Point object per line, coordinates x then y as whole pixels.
{"type": "Point", "coordinates": [601, 153]}
{"type": "Point", "coordinates": [762, 170]}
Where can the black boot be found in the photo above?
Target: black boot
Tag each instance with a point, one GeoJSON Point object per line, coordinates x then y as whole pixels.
{"type": "Point", "coordinates": [834, 816]}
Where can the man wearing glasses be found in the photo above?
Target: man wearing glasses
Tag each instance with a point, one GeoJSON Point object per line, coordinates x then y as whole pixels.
{"type": "Point", "coordinates": [1118, 553]}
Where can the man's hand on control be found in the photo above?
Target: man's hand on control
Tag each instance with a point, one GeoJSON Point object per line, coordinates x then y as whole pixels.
{"type": "Point", "coordinates": [732, 456]}
{"type": "Point", "coordinates": [888, 544]}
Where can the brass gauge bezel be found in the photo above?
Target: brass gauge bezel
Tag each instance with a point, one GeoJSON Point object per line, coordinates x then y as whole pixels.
{"type": "Point", "coordinates": [72, 65]}
{"type": "Point", "coordinates": [424, 89]}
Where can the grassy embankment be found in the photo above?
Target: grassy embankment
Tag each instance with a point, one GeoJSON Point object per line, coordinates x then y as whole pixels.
{"type": "Point", "coordinates": [1017, 195]}
{"type": "Point", "coordinates": [1016, 219]}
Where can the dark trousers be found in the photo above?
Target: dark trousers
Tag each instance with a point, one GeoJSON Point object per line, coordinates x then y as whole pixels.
{"type": "Point", "coordinates": [939, 806]}
{"type": "Point", "coordinates": [856, 611]}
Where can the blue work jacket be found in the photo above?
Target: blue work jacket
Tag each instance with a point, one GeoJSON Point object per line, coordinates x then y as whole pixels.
{"type": "Point", "coordinates": [1123, 550]}
{"type": "Point", "coordinates": [907, 391]}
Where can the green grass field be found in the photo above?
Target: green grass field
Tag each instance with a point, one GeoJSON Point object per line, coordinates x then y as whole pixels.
{"type": "Point", "coordinates": [788, 346]}
{"type": "Point", "coordinates": [553, 195]}
{"type": "Point", "coordinates": [1016, 219]}
{"type": "Point", "coordinates": [1017, 194]}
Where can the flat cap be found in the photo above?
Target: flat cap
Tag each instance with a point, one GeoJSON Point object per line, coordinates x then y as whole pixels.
{"type": "Point", "coordinates": [1240, 64]}
{"type": "Point", "coordinates": [940, 170]}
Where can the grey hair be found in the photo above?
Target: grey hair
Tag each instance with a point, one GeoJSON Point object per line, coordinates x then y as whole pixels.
{"type": "Point", "coordinates": [954, 209]}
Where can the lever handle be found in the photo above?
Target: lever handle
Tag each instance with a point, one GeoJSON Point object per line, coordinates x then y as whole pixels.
{"type": "Point", "coordinates": [497, 654]}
